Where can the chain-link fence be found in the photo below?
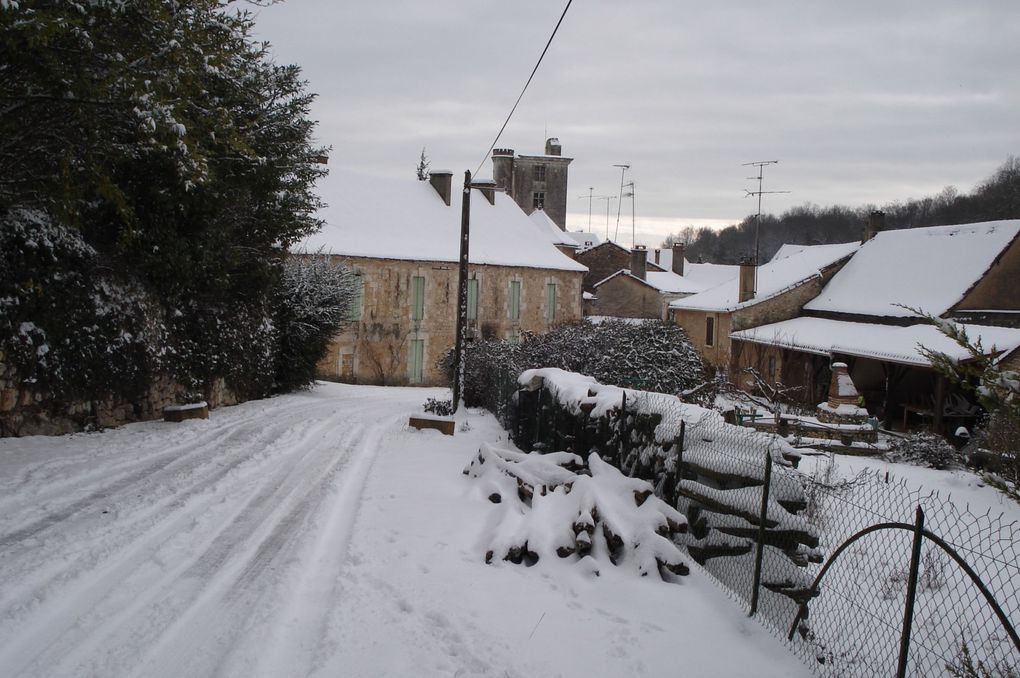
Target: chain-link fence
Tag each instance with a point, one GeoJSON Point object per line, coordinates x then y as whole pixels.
{"type": "Point", "coordinates": [839, 567]}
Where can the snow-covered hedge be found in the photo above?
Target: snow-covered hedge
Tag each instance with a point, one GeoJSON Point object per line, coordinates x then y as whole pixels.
{"type": "Point", "coordinates": [650, 356]}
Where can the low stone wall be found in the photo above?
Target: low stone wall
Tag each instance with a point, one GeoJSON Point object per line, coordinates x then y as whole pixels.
{"type": "Point", "coordinates": [27, 411]}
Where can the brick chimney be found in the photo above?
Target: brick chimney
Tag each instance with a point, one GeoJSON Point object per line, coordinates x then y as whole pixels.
{"type": "Point", "coordinates": [678, 258]}
{"type": "Point", "coordinates": [875, 223]}
{"type": "Point", "coordinates": [503, 169]}
{"type": "Point", "coordinates": [552, 146]}
{"type": "Point", "coordinates": [746, 281]}
{"type": "Point", "coordinates": [487, 189]}
{"type": "Point", "coordinates": [442, 181]}
{"type": "Point", "coordinates": [638, 261]}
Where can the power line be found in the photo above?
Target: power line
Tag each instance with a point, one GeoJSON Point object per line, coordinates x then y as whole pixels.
{"type": "Point", "coordinates": [533, 71]}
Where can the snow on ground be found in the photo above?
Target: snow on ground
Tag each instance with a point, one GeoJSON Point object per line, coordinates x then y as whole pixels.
{"type": "Point", "coordinates": [965, 488]}
{"type": "Point", "coordinates": [315, 534]}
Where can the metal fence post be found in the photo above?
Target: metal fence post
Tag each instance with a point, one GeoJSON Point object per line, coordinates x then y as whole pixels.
{"type": "Point", "coordinates": [908, 609]}
{"type": "Point", "coordinates": [622, 432]}
{"type": "Point", "coordinates": [760, 546]}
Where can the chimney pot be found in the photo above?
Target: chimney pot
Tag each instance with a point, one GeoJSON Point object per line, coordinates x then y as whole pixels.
{"type": "Point", "coordinates": [442, 181]}
{"type": "Point", "coordinates": [487, 189]}
{"type": "Point", "coordinates": [657, 252]}
{"type": "Point", "coordinates": [552, 146]}
{"type": "Point", "coordinates": [638, 262]}
{"type": "Point", "coordinates": [678, 258]}
{"type": "Point", "coordinates": [746, 280]}
{"type": "Point", "coordinates": [875, 223]}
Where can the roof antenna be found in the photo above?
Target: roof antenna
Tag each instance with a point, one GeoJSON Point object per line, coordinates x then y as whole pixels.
{"type": "Point", "coordinates": [760, 164]}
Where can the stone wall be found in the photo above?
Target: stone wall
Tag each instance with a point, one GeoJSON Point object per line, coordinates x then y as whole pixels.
{"type": "Point", "coordinates": [376, 348]}
{"type": "Point", "coordinates": [27, 411]}
{"type": "Point", "coordinates": [626, 297]}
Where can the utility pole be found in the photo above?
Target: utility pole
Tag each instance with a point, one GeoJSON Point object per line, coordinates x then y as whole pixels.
{"type": "Point", "coordinates": [619, 205]}
{"type": "Point", "coordinates": [609, 199]}
{"type": "Point", "coordinates": [590, 197]}
{"type": "Point", "coordinates": [462, 285]}
{"type": "Point", "coordinates": [760, 164]}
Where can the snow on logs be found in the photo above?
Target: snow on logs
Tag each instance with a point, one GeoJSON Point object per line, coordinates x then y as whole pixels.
{"type": "Point", "coordinates": [553, 504]}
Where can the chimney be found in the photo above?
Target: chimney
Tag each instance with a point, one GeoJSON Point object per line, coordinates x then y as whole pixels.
{"type": "Point", "coordinates": [638, 260]}
{"type": "Point", "coordinates": [488, 189]}
{"type": "Point", "coordinates": [552, 146]}
{"type": "Point", "coordinates": [678, 258]}
{"type": "Point", "coordinates": [503, 169]}
{"type": "Point", "coordinates": [442, 181]}
{"type": "Point", "coordinates": [746, 281]}
{"type": "Point", "coordinates": [876, 223]}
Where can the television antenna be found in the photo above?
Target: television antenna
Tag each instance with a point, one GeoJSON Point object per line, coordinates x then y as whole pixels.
{"type": "Point", "coordinates": [609, 199]}
{"type": "Point", "coordinates": [619, 205]}
{"type": "Point", "coordinates": [760, 164]}
{"type": "Point", "coordinates": [590, 197]}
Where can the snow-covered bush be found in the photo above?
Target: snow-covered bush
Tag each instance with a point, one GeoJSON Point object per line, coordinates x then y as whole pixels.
{"type": "Point", "coordinates": [650, 356]}
{"type": "Point", "coordinates": [315, 300]}
{"type": "Point", "coordinates": [66, 322]}
{"type": "Point", "coordinates": [924, 449]}
{"type": "Point", "coordinates": [440, 408]}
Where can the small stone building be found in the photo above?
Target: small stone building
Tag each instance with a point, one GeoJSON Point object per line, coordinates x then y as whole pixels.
{"type": "Point", "coordinates": [401, 238]}
{"type": "Point", "coordinates": [775, 291]}
{"type": "Point", "coordinates": [863, 317]}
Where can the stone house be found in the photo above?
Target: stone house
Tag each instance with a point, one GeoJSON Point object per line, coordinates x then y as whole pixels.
{"type": "Point", "coordinates": [636, 292]}
{"type": "Point", "coordinates": [757, 296]}
{"type": "Point", "coordinates": [606, 259]}
{"type": "Point", "coordinates": [863, 317]}
{"type": "Point", "coordinates": [401, 238]}
{"type": "Point", "coordinates": [535, 181]}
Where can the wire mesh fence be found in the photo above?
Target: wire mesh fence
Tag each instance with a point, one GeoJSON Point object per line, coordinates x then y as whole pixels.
{"type": "Point", "coordinates": [836, 566]}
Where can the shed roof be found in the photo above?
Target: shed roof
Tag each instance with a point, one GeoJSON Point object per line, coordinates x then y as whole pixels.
{"type": "Point", "coordinates": [889, 343]}
{"type": "Point", "coordinates": [925, 268]}
{"type": "Point", "coordinates": [775, 277]}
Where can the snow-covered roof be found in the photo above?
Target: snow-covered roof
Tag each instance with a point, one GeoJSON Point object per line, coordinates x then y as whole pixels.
{"type": "Point", "coordinates": [926, 268]}
{"type": "Point", "coordinates": [406, 219]}
{"type": "Point", "coordinates": [549, 230]}
{"type": "Point", "coordinates": [868, 340]}
{"type": "Point", "coordinates": [773, 278]}
{"type": "Point", "coordinates": [583, 238]}
{"type": "Point", "coordinates": [665, 282]}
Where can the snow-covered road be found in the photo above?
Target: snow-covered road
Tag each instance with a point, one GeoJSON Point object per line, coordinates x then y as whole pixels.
{"type": "Point", "coordinates": [314, 534]}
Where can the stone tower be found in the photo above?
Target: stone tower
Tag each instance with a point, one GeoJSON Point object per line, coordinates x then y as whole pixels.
{"type": "Point", "coordinates": [535, 181]}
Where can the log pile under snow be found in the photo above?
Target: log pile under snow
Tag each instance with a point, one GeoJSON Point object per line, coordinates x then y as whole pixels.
{"type": "Point", "coordinates": [555, 504]}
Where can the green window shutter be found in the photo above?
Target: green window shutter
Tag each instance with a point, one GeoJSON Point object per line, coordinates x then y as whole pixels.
{"type": "Point", "coordinates": [417, 297]}
{"type": "Point", "coordinates": [417, 360]}
{"type": "Point", "coordinates": [515, 299]}
{"type": "Point", "coordinates": [354, 311]}
{"type": "Point", "coordinates": [472, 299]}
{"type": "Point", "coordinates": [550, 302]}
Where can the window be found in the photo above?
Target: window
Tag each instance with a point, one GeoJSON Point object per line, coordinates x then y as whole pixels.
{"type": "Point", "coordinates": [472, 299]}
{"type": "Point", "coordinates": [347, 366]}
{"type": "Point", "coordinates": [354, 310]}
{"type": "Point", "coordinates": [515, 300]}
{"type": "Point", "coordinates": [416, 361]}
{"type": "Point", "coordinates": [550, 302]}
{"type": "Point", "coordinates": [538, 173]}
{"type": "Point", "coordinates": [772, 367]}
{"type": "Point", "coordinates": [709, 331]}
{"type": "Point", "coordinates": [417, 297]}
{"type": "Point", "coordinates": [539, 200]}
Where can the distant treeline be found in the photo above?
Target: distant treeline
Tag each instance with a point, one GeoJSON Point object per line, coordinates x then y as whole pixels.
{"type": "Point", "coordinates": [996, 198]}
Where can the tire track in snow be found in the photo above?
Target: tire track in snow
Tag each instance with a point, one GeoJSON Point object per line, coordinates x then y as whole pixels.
{"type": "Point", "coordinates": [61, 624]}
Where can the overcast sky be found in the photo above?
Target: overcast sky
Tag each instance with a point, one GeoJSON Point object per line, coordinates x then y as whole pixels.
{"type": "Point", "coordinates": [861, 102]}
